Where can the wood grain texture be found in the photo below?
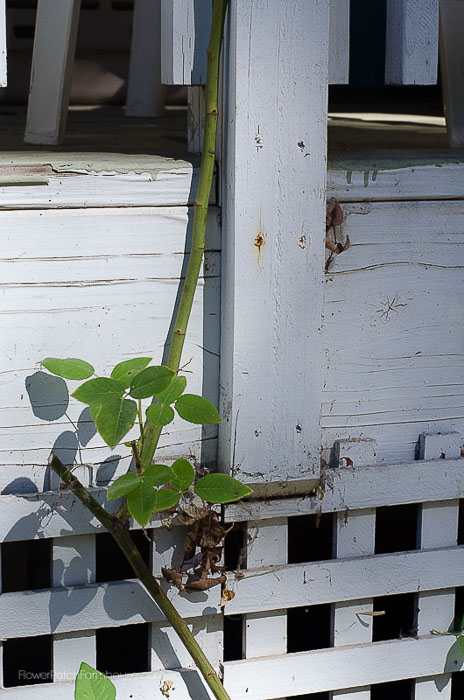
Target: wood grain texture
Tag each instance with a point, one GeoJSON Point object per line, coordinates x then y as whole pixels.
{"type": "Point", "coordinates": [273, 238]}
{"type": "Point", "coordinates": [339, 42]}
{"type": "Point", "coordinates": [392, 332]}
{"type": "Point", "coordinates": [185, 28]}
{"type": "Point", "coordinates": [411, 51]}
{"type": "Point", "coordinates": [451, 62]}
{"type": "Point", "coordinates": [111, 295]}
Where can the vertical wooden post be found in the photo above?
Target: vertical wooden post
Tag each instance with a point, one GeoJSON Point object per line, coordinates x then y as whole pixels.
{"type": "Point", "coordinates": [452, 74]}
{"type": "Point", "coordinates": [145, 93]}
{"type": "Point", "coordinates": [438, 527]}
{"type": "Point", "coordinates": [73, 564]}
{"type": "Point", "coordinates": [184, 39]}
{"type": "Point", "coordinates": [355, 536]}
{"type": "Point", "coordinates": [52, 63]}
{"type": "Point", "coordinates": [274, 175]}
{"type": "Point", "coordinates": [339, 42]}
{"type": "Point", "coordinates": [411, 51]}
{"type": "Point", "coordinates": [3, 70]}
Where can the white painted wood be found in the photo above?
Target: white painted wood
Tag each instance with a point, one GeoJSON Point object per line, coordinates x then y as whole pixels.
{"type": "Point", "coordinates": [195, 118]}
{"type": "Point", "coordinates": [264, 634]}
{"type": "Point", "coordinates": [411, 50]}
{"type": "Point", "coordinates": [100, 282]}
{"type": "Point", "coordinates": [354, 537]}
{"type": "Point", "coordinates": [3, 67]}
{"type": "Point", "coordinates": [438, 527]}
{"type": "Point", "coordinates": [52, 61]}
{"type": "Point", "coordinates": [185, 28]}
{"type": "Point", "coordinates": [365, 487]}
{"type": "Point", "coordinates": [339, 42]}
{"type": "Point", "coordinates": [451, 62]}
{"type": "Point", "coordinates": [80, 180]}
{"type": "Point", "coordinates": [372, 179]}
{"type": "Point", "coordinates": [334, 669]}
{"type": "Point", "coordinates": [1, 645]}
{"type": "Point", "coordinates": [275, 133]}
{"type": "Point", "coordinates": [145, 93]}
{"type": "Point", "coordinates": [391, 331]}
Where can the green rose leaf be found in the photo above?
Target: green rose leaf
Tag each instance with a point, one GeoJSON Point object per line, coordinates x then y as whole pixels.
{"type": "Point", "coordinates": [160, 415]}
{"type": "Point", "coordinates": [122, 486]}
{"type": "Point", "coordinates": [98, 390]}
{"type": "Point", "coordinates": [124, 372]}
{"type": "Point", "coordinates": [183, 474]}
{"type": "Point", "coordinates": [142, 502]}
{"type": "Point", "coordinates": [114, 418]}
{"type": "Point", "coordinates": [197, 409]}
{"type": "Point", "coordinates": [70, 368]}
{"type": "Point", "coordinates": [220, 488]}
{"type": "Point", "coordinates": [175, 389]}
{"type": "Point", "coordinates": [150, 381]}
{"type": "Point", "coordinates": [157, 474]}
{"type": "Point", "coordinates": [93, 685]}
{"type": "Point", "coordinates": [165, 498]}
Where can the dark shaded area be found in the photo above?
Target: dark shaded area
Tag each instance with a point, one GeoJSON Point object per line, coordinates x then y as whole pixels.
{"type": "Point", "coordinates": [123, 649]}
{"type": "Point", "coordinates": [26, 565]}
{"type": "Point", "coordinates": [400, 690]}
{"type": "Point", "coordinates": [396, 528]}
{"type": "Point", "coordinates": [399, 619]}
{"type": "Point", "coordinates": [27, 661]}
{"type": "Point", "coordinates": [461, 522]}
{"type": "Point", "coordinates": [310, 538]}
{"type": "Point", "coordinates": [308, 628]}
{"type": "Point", "coordinates": [457, 686]}
{"type": "Point", "coordinates": [367, 42]}
{"type": "Point", "coordinates": [111, 562]}
{"type": "Point", "coordinates": [234, 548]}
{"type": "Point", "coordinates": [233, 638]}
{"type": "Point", "coordinates": [459, 608]}
{"type": "Point", "coordinates": [315, 696]}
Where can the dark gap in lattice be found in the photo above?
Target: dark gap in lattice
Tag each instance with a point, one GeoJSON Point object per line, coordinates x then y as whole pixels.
{"type": "Point", "coordinates": [26, 565]}
{"type": "Point", "coordinates": [27, 661]}
{"type": "Point", "coordinates": [457, 686]}
{"type": "Point", "coordinates": [111, 564]}
{"type": "Point", "coordinates": [308, 628]}
{"type": "Point", "coordinates": [123, 649]}
{"type": "Point", "coordinates": [399, 619]}
{"type": "Point", "coordinates": [396, 528]}
{"type": "Point", "coordinates": [315, 696]}
{"type": "Point", "coordinates": [461, 522]}
{"type": "Point", "coordinates": [400, 690]}
{"type": "Point", "coordinates": [310, 538]}
{"type": "Point", "coordinates": [458, 608]}
{"type": "Point", "coordinates": [233, 637]}
{"type": "Point", "coordinates": [234, 548]}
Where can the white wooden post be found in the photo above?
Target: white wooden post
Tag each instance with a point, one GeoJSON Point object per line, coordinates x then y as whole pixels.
{"type": "Point", "coordinates": [145, 93]}
{"type": "Point", "coordinates": [195, 118]}
{"type": "Point", "coordinates": [274, 174]}
{"type": "Point", "coordinates": [438, 527]}
{"type": "Point", "coordinates": [339, 42]}
{"type": "Point", "coordinates": [73, 564]}
{"type": "Point", "coordinates": [452, 73]}
{"type": "Point", "coordinates": [52, 63]}
{"type": "Point", "coordinates": [411, 50]}
{"type": "Point", "coordinates": [185, 28]}
{"type": "Point", "coordinates": [265, 634]}
{"type": "Point", "coordinates": [2, 44]}
{"type": "Point", "coordinates": [355, 536]}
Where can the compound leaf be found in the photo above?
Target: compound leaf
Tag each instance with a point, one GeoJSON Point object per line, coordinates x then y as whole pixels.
{"type": "Point", "coordinates": [125, 371]}
{"type": "Point", "coordinates": [70, 368]}
{"type": "Point", "coordinates": [197, 409]}
{"type": "Point", "coordinates": [114, 418]}
{"type": "Point", "coordinates": [220, 488]}
{"type": "Point", "coordinates": [98, 390]}
{"type": "Point", "coordinates": [122, 486]}
{"type": "Point", "coordinates": [165, 498]}
{"type": "Point", "coordinates": [183, 475]}
{"type": "Point", "coordinates": [160, 414]}
{"type": "Point", "coordinates": [157, 474]}
{"type": "Point", "coordinates": [175, 389]}
{"type": "Point", "coordinates": [150, 381]}
{"type": "Point", "coordinates": [141, 502]}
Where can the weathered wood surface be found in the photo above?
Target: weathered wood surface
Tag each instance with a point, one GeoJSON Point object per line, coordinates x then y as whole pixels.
{"type": "Point", "coordinates": [185, 28]}
{"type": "Point", "coordinates": [3, 68]}
{"type": "Point", "coordinates": [392, 331]}
{"type": "Point", "coordinates": [84, 180]}
{"type": "Point", "coordinates": [411, 50]}
{"type": "Point", "coordinates": [273, 239]}
{"type": "Point", "coordinates": [52, 61]}
{"type": "Point", "coordinates": [111, 295]}
{"type": "Point", "coordinates": [334, 669]}
{"type": "Point", "coordinates": [451, 61]}
{"type": "Point", "coordinates": [339, 42]}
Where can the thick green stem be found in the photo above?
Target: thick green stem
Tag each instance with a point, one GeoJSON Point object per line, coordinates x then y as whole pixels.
{"type": "Point", "coordinates": [118, 527]}
{"type": "Point", "coordinates": [205, 180]}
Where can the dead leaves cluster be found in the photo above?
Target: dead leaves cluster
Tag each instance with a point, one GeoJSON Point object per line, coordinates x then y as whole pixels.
{"type": "Point", "coordinates": [333, 219]}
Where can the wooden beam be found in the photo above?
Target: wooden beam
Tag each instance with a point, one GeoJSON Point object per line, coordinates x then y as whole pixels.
{"type": "Point", "coordinates": [452, 61]}
{"type": "Point", "coordinates": [411, 51]}
{"type": "Point", "coordinates": [185, 28]}
{"type": "Point", "coordinates": [339, 42]}
{"type": "Point", "coordinates": [274, 173]}
{"type": "Point", "coordinates": [3, 70]}
{"type": "Point", "coordinates": [52, 63]}
{"type": "Point", "coordinates": [145, 93]}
